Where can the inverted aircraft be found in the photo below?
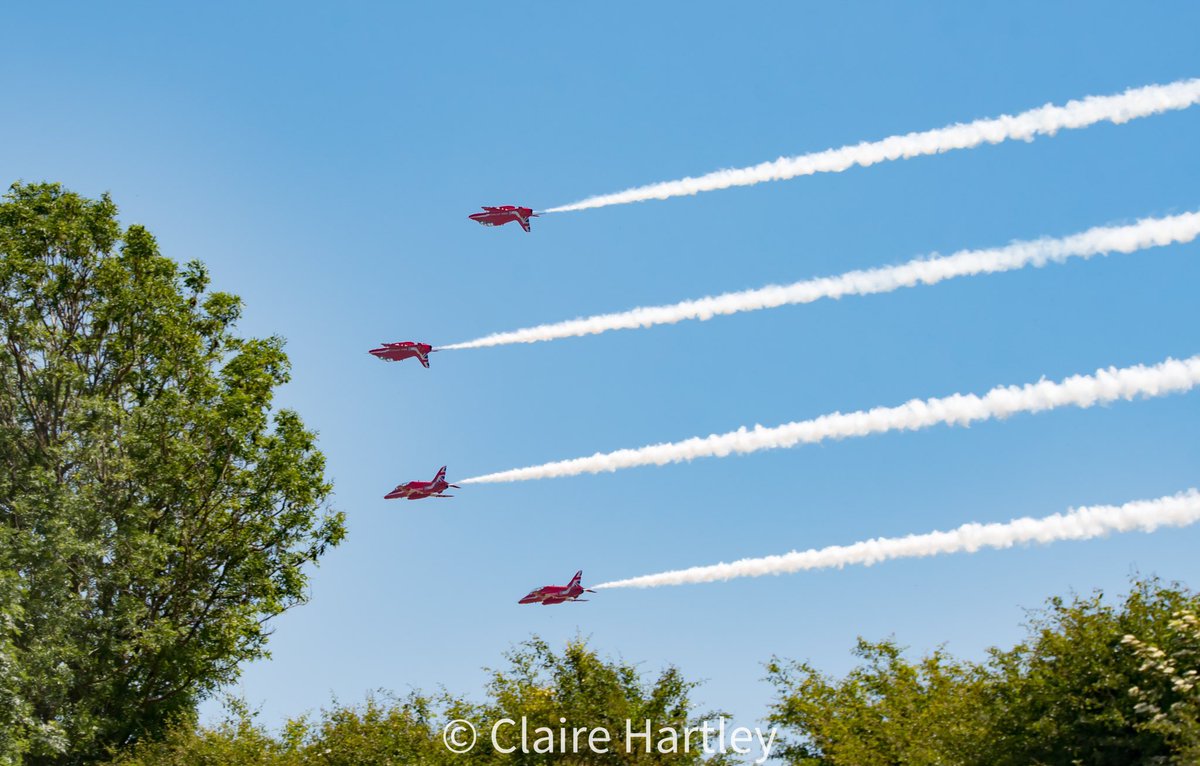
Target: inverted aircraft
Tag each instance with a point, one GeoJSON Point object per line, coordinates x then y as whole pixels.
{"type": "Point", "coordinates": [558, 594]}
{"type": "Point", "coordinates": [498, 216]}
{"type": "Point", "coordinates": [394, 352]}
{"type": "Point", "coordinates": [419, 490]}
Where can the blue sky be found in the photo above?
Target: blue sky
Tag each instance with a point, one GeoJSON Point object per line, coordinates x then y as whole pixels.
{"type": "Point", "coordinates": [322, 160]}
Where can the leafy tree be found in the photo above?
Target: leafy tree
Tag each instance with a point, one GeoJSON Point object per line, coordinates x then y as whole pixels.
{"type": "Point", "coordinates": [1169, 695]}
{"type": "Point", "coordinates": [385, 732]}
{"type": "Point", "coordinates": [1064, 693]}
{"type": "Point", "coordinates": [588, 692]}
{"type": "Point", "coordinates": [16, 723]}
{"type": "Point", "coordinates": [886, 711]}
{"type": "Point", "coordinates": [1094, 683]}
{"type": "Point", "coordinates": [379, 732]}
{"type": "Point", "coordinates": [539, 684]}
{"type": "Point", "coordinates": [236, 741]}
{"type": "Point", "coordinates": [153, 514]}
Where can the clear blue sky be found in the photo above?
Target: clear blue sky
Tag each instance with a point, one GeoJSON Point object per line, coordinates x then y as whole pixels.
{"type": "Point", "coordinates": [322, 160]}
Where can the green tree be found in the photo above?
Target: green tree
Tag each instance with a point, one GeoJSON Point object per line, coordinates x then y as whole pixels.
{"type": "Point", "coordinates": [17, 726]}
{"type": "Point", "coordinates": [545, 687]}
{"type": "Point", "coordinates": [1064, 693]}
{"type": "Point", "coordinates": [538, 684]}
{"type": "Point", "coordinates": [382, 732]}
{"type": "Point", "coordinates": [154, 514]}
{"type": "Point", "coordinates": [1169, 695]}
{"type": "Point", "coordinates": [238, 740]}
{"type": "Point", "coordinates": [886, 711]}
{"type": "Point", "coordinates": [1093, 683]}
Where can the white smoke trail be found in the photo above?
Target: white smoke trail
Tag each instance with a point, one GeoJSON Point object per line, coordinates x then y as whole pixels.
{"type": "Point", "coordinates": [1149, 232]}
{"type": "Point", "coordinates": [1045, 120]}
{"type": "Point", "coordinates": [1076, 524]}
{"type": "Point", "coordinates": [1106, 385]}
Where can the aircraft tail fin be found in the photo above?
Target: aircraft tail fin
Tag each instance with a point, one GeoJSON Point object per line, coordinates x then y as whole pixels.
{"type": "Point", "coordinates": [441, 474]}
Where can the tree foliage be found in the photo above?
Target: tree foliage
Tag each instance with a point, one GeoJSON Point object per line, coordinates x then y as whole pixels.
{"type": "Point", "coordinates": [538, 684]}
{"type": "Point", "coordinates": [545, 687]}
{"type": "Point", "coordinates": [154, 510]}
{"type": "Point", "coordinates": [886, 711]}
{"type": "Point", "coordinates": [1170, 694]}
{"type": "Point", "coordinates": [1093, 683]}
{"type": "Point", "coordinates": [1080, 689]}
{"type": "Point", "coordinates": [1063, 695]}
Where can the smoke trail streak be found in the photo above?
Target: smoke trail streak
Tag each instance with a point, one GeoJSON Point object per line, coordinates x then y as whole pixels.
{"type": "Point", "coordinates": [1149, 232]}
{"type": "Point", "coordinates": [1106, 385]}
{"type": "Point", "coordinates": [1076, 524]}
{"type": "Point", "coordinates": [1045, 120]}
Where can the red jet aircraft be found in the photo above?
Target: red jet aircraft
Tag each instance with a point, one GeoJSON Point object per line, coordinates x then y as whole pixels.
{"type": "Point", "coordinates": [558, 594]}
{"type": "Point", "coordinates": [394, 352]}
{"type": "Point", "coordinates": [419, 490]}
{"type": "Point", "coordinates": [498, 216]}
